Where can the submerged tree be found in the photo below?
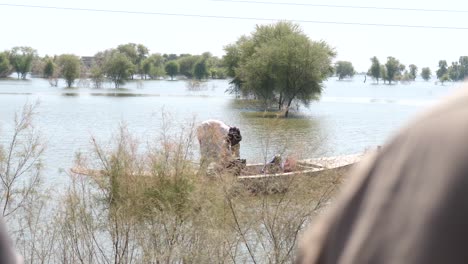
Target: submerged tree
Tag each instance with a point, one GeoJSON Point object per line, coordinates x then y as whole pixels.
{"type": "Point", "coordinates": [49, 68]}
{"type": "Point", "coordinates": [344, 69]}
{"type": "Point", "coordinates": [393, 69]}
{"type": "Point", "coordinates": [413, 72]}
{"type": "Point", "coordinates": [70, 68]}
{"type": "Point", "coordinates": [5, 68]}
{"type": "Point", "coordinates": [442, 69]}
{"type": "Point", "coordinates": [172, 69]}
{"type": "Point", "coordinates": [426, 73]}
{"type": "Point", "coordinates": [200, 70]}
{"type": "Point", "coordinates": [279, 63]}
{"type": "Point", "coordinates": [21, 59]}
{"type": "Point", "coordinates": [375, 69]}
{"type": "Point", "coordinates": [118, 68]}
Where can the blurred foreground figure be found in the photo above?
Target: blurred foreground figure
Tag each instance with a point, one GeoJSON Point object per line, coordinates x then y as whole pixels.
{"type": "Point", "coordinates": [7, 253]}
{"type": "Point", "coordinates": [406, 204]}
{"type": "Point", "coordinates": [218, 141]}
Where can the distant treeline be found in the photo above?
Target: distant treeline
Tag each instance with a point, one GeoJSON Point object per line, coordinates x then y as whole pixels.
{"type": "Point", "coordinates": [393, 70]}
{"type": "Point", "coordinates": [130, 61]}
{"type": "Point", "coordinates": [126, 62]}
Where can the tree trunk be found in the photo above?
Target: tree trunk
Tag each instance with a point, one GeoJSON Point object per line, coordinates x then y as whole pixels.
{"type": "Point", "coordinates": [286, 114]}
{"type": "Point", "coordinates": [280, 102]}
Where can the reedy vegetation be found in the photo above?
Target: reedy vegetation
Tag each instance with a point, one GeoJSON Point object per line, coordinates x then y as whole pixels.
{"type": "Point", "coordinates": [148, 204]}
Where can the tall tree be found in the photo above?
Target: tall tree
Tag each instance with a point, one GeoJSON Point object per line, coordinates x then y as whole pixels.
{"type": "Point", "coordinates": [200, 70]}
{"type": "Point", "coordinates": [454, 72]}
{"type": "Point", "coordinates": [131, 51]}
{"type": "Point", "coordinates": [442, 69]}
{"type": "Point", "coordinates": [5, 67]}
{"type": "Point", "coordinates": [375, 69]}
{"type": "Point", "coordinates": [49, 68]}
{"type": "Point", "coordinates": [70, 68]}
{"type": "Point", "coordinates": [344, 69]}
{"type": "Point", "coordinates": [393, 68]}
{"type": "Point", "coordinates": [21, 59]}
{"type": "Point", "coordinates": [280, 63]}
{"type": "Point", "coordinates": [153, 66]}
{"type": "Point", "coordinates": [426, 73]}
{"type": "Point", "coordinates": [413, 72]}
{"type": "Point", "coordinates": [187, 64]}
{"type": "Point", "coordinates": [118, 68]}
{"type": "Point", "coordinates": [463, 61]}
{"type": "Point", "coordinates": [172, 69]}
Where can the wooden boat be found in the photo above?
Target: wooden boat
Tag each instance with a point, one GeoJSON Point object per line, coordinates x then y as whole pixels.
{"type": "Point", "coordinates": [254, 171]}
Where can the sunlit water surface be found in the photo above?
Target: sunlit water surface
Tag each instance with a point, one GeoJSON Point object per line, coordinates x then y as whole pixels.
{"type": "Point", "coordinates": [350, 116]}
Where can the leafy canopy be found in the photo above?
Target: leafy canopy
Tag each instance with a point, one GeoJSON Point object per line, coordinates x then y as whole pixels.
{"type": "Point", "coordinates": [278, 63]}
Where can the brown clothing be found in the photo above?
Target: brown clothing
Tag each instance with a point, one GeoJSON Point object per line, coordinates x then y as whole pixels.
{"type": "Point", "coordinates": [406, 204]}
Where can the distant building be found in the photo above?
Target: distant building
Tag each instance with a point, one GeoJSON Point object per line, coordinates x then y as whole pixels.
{"type": "Point", "coordinates": [87, 61]}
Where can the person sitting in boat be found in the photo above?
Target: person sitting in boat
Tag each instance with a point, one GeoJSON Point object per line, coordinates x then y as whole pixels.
{"type": "Point", "coordinates": [218, 141]}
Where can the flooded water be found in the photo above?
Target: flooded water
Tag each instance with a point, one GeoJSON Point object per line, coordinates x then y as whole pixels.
{"type": "Point", "coordinates": [350, 116]}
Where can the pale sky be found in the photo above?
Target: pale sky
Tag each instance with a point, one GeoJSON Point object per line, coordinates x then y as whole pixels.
{"type": "Point", "coordinates": [85, 33]}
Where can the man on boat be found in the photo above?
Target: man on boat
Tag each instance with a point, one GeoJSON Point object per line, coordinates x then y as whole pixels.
{"type": "Point", "coordinates": [218, 141]}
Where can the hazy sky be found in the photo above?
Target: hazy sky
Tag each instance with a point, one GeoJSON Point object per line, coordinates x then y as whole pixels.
{"type": "Point", "coordinates": [84, 33]}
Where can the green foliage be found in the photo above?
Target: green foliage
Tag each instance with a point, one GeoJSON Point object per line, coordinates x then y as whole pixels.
{"type": "Point", "coordinates": [344, 69]}
{"type": "Point", "coordinates": [21, 59]}
{"type": "Point", "coordinates": [426, 73]}
{"type": "Point", "coordinates": [153, 66]}
{"type": "Point", "coordinates": [393, 69]}
{"type": "Point", "coordinates": [5, 68]}
{"type": "Point", "coordinates": [458, 71]}
{"type": "Point", "coordinates": [136, 53]}
{"type": "Point", "coordinates": [444, 78]}
{"type": "Point", "coordinates": [118, 68]}
{"type": "Point", "coordinates": [200, 70]}
{"type": "Point", "coordinates": [454, 71]}
{"type": "Point", "coordinates": [383, 73]}
{"type": "Point", "coordinates": [49, 68]}
{"type": "Point", "coordinates": [187, 65]}
{"type": "Point", "coordinates": [413, 71]}
{"type": "Point", "coordinates": [375, 69]}
{"type": "Point", "coordinates": [279, 63]}
{"type": "Point", "coordinates": [97, 76]}
{"type": "Point", "coordinates": [70, 68]}
{"type": "Point", "coordinates": [442, 69]}
{"type": "Point", "coordinates": [172, 69]}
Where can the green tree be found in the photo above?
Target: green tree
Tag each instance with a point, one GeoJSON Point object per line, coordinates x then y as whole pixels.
{"type": "Point", "coordinates": [383, 73]}
{"type": "Point", "coordinates": [375, 69]}
{"type": "Point", "coordinates": [97, 76]}
{"type": "Point", "coordinates": [135, 53]}
{"type": "Point", "coordinates": [463, 61]}
{"type": "Point", "coordinates": [444, 78]}
{"type": "Point", "coordinates": [344, 69]}
{"type": "Point", "coordinates": [279, 63]}
{"type": "Point", "coordinates": [413, 72]}
{"type": "Point", "coordinates": [5, 67]}
{"type": "Point", "coordinates": [70, 66]}
{"type": "Point", "coordinates": [172, 69]}
{"type": "Point", "coordinates": [187, 65]}
{"type": "Point", "coordinates": [393, 69]}
{"type": "Point", "coordinates": [118, 68]}
{"type": "Point", "coordinates": [21, 59]}
{"type": "Point", "coordinates": [153, 66]}
{"type": "Point", "coordinates": [200, 70]}
{"type": "Point", "coordinates": [49, 68]}
{"type": "Point", "coordinates": [442, 69]}
{"type": "Point", "coordinates": [426, 73]}
{"type": "Point", "coordinates": [454, 72]}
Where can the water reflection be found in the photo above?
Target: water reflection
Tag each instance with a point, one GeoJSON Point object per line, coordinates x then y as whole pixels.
{"type": "Point", "coordinates": [297, 135]}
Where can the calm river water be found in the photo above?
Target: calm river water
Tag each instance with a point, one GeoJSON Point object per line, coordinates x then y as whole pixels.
{"type": "Point", "coordinates": [350, 116]}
